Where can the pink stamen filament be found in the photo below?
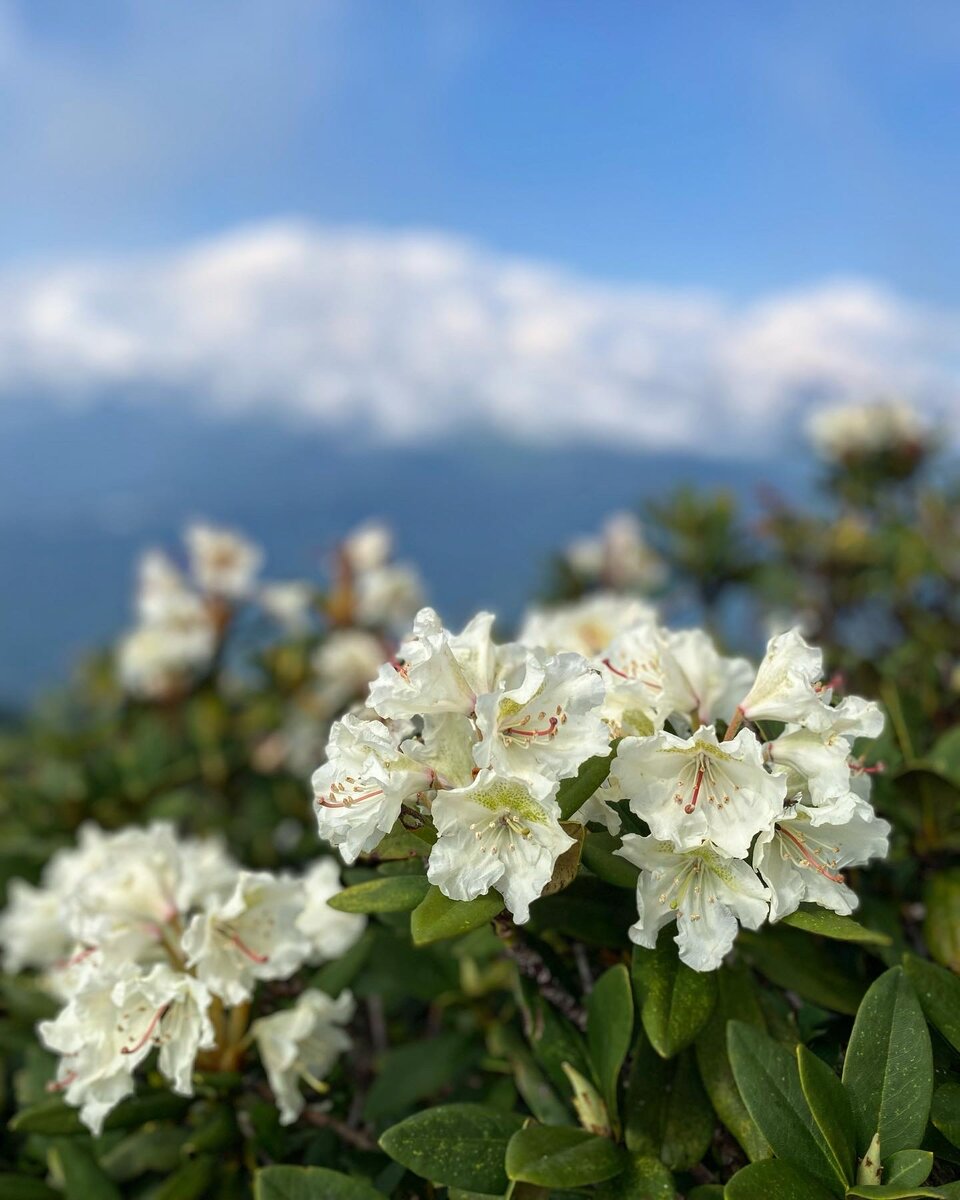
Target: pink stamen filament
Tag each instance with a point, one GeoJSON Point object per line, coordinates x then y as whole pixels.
{"type": "Point", "coordinates": [60, 1085]}
{"type": "Point", "coordinates": [817, 866]}
{"type": "Point", "coordinates": [610, 667]}
{"type": "Point", "coordinates": [245, 949]}
{"type": "Point", "coordinates": [516, 731]}
{"type": "Point", "coordinates": [860, 769]}
{"type": "Point", "coordinates": [79, 957]}
{"type": "Point", "coordinates": [148, 1032]}
{"type": "Point", "coordinates": [329, 802]}
{"type": "Point", "coordinates": [688, 808]}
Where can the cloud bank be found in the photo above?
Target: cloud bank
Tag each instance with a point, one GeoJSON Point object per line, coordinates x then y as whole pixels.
{"type": "Point", "coordinates": [406, 337]}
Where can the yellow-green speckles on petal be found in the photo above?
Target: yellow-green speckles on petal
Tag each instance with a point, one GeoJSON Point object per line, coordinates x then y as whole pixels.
{"type": "Point", "coordinates": [508, 794]}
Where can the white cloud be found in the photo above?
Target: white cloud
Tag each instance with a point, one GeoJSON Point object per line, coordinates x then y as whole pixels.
{"type": "Point", "coordinates": [409, 336]}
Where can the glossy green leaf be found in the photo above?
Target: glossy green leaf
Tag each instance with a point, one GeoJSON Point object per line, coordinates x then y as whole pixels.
{"type": "Point", "coordinates": [675, 1002]}
{"type": "Point", "coordinates": [458, 1145]}
{"type": "Point", "coordinates": [892, 1191]}
{"type": "Point", "coordinates": [908, 1168]}
{"type": "Point", "coordinates": [437, 918]}
{"type": "Point", "coordinates": [938, 991]}
{"type": "Point", "coordinates": [25, 1187]}
{"type": "Point", "coordinates": [945, 1111]}
{"type": "Point", "coordinates": [599, 856]}
{"type": "Point", "coordinates": [310, 1183]}
{"type": "Point", "coordinates": [557, 1156]}
{"type": "Point", "coordinates": [574, 793]}
{"type": "Point", "coordinates": [774, 1180]}
{"type": "Point", "coordinates": [154, 1148]}
{"type": "Point", "coordinates": [192, 1181]}
{"type": "Point", "coordinates": [769, 1082]}
{"type": "Point", "coordinates": [822, 921]}
{"type": "Point", "coordinates": [415, 1071]}
{"type": "Point", "coordinates": [736, 1000]}
{"type": "Point", "coordinates": [666, 1110]}
{"type": "Point", "coordinates": [643, 1178]}
{"type": "Point", "coordinates": [888, 1068]}
{"type": "Point", "coordinates": [54, 1117]}
{"type": "Point", "coordinates": [941, 926]}
{"type": "Point", "coordinates": [610, 1030]}
{"type": "Point", "coordinates": [815, 970]}
{"type": "Point", "coordinates": [830, 1107]}
{"type": "Point", "coordinates": [393, 893]}
{"type": "Point", "coordinates": [83, 1177]}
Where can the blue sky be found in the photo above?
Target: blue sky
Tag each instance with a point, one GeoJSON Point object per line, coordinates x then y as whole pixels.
{"type": "Point", "coordinates": [739, 146]}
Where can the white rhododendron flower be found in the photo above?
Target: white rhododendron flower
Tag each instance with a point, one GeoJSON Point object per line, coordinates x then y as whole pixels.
{"type": "Point", "coordinates": [818, 764]}
{"type": "Point", "coordinates": [301, 1044]}
{"type": "Point", "coordinates": [369, 546]}
{"type": "Point", "coordinates": [852, 431]}
{"type": "Point", "coordinates": [388, 597]}
{"type": "Point", "coordinates": [110, 1026]}
{"type": "Point", "coordinates": [496, 834]}
{"type": "Point", "coordinates": [802, 860]}
{"type": "Point", "coordinates": [250, 935]}
{"type": "Point", "coordinates": [544, 726]}
{"type": "Point", "coordinates": [711, 685]}
{"type": "Point", "coordinates": [585, 627]}
{"type": "Point", "coordinates": [32, 932]}
{"type": "Point", "coordinates": [360, 789]}
{"type": "Point", "coordinates": [706, 892]}
{"type": "Point", "coordinates": [425, 677]}
{"type": "Point", "coordinates": [331, 933]}
{"type": "Point", "coordinates": [619, 557]}
{"type": "Point", "coordinates": [346, 662]}
{"type": "Point", "coordinates": [157, 660]}
{"type": "Point", "coordinates": [290, 604]}
{"type": "Point", "coordinates": [785, 687]}
{"type": "Point", "coordinates": [643, 681]}
{"type": "Point", "coordinates": [695, 789]}
{"type": "Point", "coordinates": [222, 562]}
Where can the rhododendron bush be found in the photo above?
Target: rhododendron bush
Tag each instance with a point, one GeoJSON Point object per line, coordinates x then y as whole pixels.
{"type": "Point", "coordinates": [652, 893]}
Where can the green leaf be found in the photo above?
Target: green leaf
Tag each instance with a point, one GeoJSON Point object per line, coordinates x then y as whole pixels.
{"type": "Point", "coordinates": [908, 1168]}
{"type": "Point", "coordinates": [54, 1117]}
{"type": "Point", "coordinates": [675, 1002]}
{"type": "Point", "coordinates": [26, 1187]}
{"type": "Point", "coordinates": [74, 1163]}
{"type": "Point", "coordinates": [538, 1094]}
{"type": "Point", "coordinates": [610, 1030]}
{"type": "Point", "coordinates": [309, 1183]}
{"type": "Point", "coordinates": [938, 991]}
{"type": "Point", "coordinates": [458, 1145]}
{"type": "Point", "coordinates": [414, 1071]}
{"type": "Point", "coordinates": [801, 964]}
{"type": "Point", "coordinates": [706, 1191]}
{"type": "Point", "coordinates": [814, 919]}
{"type": "Point", "coordinates": [642, 1179]}
{"type": "Point", "coordinates": [941, 927]}
{"type": "Point", "coordinates": [553, 1039]}
{"type": "Point", "coordinates": [687, 1120]}
{"type": "Point", "coordinates": [574, 793]}
{"type": "Point", "coordinates": [394, 893]}
{"type": "Point", "coordinates": [736, 999]}
{"type": "Point", "coordinates": [192, 1181]}
{"type": "Point", "coordinates": [891, 1191]}
{"type": "Point", "coordinates": [888, 1069]}
{"type": "Point", "coordinates": [774, 1180]}
{"type": "Point", "coordinates": [830, 1108]}
{"type": "Point", "coordinates": [436, 917]}
{"type": "Point", "coordinates": [945, 1111]}
{"type": "Point", "coordinates": [599, 856]}
{"type": "Point", "coordinates": [769, 1082]}
{"type": "Point", "coordinates": [154, 1148]}
{"type": "Point", "coordinates": [557, 1156]}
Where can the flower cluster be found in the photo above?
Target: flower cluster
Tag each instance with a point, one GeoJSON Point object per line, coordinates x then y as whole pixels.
{"type": "Point", "coordinates": [742, 779]}
{"type": "Point", "coordinates": [182, 617]}
{"type": "Point", "coordinates": [151, 942]}
{"type": "Point", "coordinates": [618, 557]}
{"type": "Point", "coordinates": [855, 433]}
